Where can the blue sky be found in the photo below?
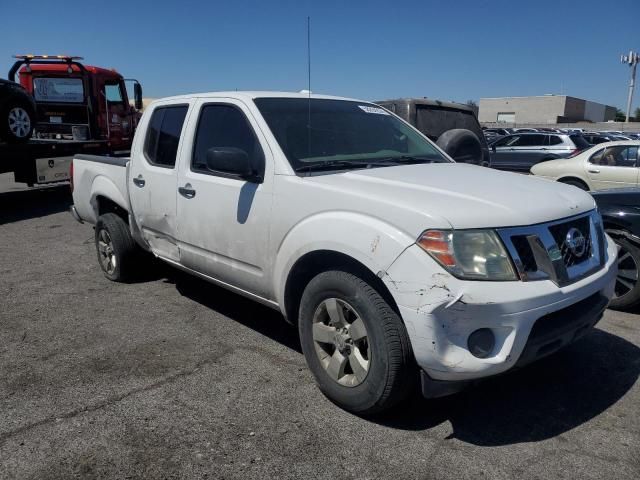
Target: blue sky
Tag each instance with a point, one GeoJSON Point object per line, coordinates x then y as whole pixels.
{"type": "Point", "coordinates": [451, 50]}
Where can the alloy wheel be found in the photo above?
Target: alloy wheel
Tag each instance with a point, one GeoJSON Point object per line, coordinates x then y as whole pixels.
{"type": "Point", "coordinates": [19, 122]}
{"type": "Point", "coordinates": [627, 278]}
{"type": "Point", "coordinates": [341, 342]}
{"type": "Point", "coordinates": [107, 255]}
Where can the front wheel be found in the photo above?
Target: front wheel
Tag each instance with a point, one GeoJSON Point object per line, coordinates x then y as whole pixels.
{"type": "Point", "coordinates": [627, 289]}
{"type": "Point", "coordinates": [356, 346]}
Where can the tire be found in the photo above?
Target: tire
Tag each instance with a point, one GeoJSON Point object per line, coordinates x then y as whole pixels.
{"type": "Point", "coordinates": [462, 145]}
{"type": "Point", "coordinates": [576, 183]}
{"type": "Point", "coordinates": [17, 121]}
{"type": "Point", "coordinates": [115, 247]}
{"type": "Point", "coordinates": [627, 289]}
{"type": "Point", "coordinates": [375, 372]}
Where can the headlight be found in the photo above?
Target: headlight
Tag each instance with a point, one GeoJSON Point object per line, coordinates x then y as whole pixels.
{"type": "Point", "coordinates": [469, 254]}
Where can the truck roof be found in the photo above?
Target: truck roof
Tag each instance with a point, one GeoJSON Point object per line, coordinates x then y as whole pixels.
{"type": "Point", "coordinates": [62, 67]}
{"type": "Point", "coordinates": [250, 95]}
{"type": "Point", "coordinates": [428, 102]}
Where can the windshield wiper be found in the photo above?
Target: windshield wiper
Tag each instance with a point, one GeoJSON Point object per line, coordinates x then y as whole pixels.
{"type": "Point", "coordinates": [410, 159]}
{"type": "Point", "coordinates": [340, 164]}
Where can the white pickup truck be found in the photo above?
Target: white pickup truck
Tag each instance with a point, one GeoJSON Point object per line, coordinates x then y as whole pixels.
{"type": "Point", "coordinates": [396, 263]}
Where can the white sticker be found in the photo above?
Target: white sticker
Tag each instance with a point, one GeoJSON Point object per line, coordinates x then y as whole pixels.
{"type": "Point", "coordinates": [378, 110]}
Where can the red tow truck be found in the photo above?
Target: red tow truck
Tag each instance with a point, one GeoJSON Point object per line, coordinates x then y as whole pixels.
{"type": "Point", "coordinates": [78, 109]}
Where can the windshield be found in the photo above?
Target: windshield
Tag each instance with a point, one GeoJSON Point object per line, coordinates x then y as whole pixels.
{"type": "Point", "coordinates": [316, 132]}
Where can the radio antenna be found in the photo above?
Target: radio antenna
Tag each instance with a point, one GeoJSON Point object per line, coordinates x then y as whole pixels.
{"type": "Point", "coordinates": [309, 85]}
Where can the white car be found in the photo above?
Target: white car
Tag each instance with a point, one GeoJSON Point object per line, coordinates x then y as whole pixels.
{"type": "Point", "coordinates": [395, 262]}
{"type": "Point", "coordinates": [601, 167]}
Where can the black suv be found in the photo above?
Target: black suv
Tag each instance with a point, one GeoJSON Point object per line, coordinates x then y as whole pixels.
{"type": "Point", "coordinates": [452, 126]}
{"type": "Point", "coordinates": [17, 112]}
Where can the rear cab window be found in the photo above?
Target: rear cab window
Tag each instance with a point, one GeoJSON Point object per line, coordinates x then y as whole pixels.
{"type": "Point", "coordinates": [163, 135]}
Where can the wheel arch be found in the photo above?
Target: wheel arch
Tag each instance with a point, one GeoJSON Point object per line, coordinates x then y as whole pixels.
{"type": "Point", "coordinates": [106, 197]}
{"type": "Point", "coordinates": [317, 261]}
{"type": "Point", "coordinates": [573, 178]}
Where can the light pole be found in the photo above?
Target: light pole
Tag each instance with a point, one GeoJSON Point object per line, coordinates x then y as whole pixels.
{"type": "Point", "coordinates": [632, 60]}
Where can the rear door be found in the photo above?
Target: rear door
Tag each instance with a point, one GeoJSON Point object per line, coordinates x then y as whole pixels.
{"type": "Point", "coordinates": [223, 220]}
{"type": "Point", "coordinates": [613, 167]}
{"type": "Point", "coordinates": [152, 177]}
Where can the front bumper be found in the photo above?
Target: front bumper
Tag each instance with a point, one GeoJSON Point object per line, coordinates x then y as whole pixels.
{"type": "Point", "coordinates": [440, 312]}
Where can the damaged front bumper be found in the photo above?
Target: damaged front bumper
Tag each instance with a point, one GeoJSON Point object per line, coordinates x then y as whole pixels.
{"type": "Point", "coordinates": [528, 319]}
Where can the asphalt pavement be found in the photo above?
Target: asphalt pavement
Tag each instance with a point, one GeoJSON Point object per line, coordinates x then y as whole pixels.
{"type": "Point", "coordinates": [171, 377]}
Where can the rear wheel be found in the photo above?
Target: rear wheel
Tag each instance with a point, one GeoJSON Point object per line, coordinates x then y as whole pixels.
{"type": "Point", "coordinates": [115, 247]}
{"type": "Point", "coordinates": [355, 344]}
{"type": "Point", "coordinates": [627, 289]}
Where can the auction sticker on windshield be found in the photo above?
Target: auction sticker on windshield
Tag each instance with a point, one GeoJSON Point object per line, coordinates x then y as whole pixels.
{"type": "Point", "coordinates": [378, 110]}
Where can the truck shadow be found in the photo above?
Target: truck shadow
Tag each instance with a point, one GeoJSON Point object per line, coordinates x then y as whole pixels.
{"type": "Point", "coordinates": [33, 203]}
{"type": "Point", "coordinates": [262, 319]}
{"type": "Point", "coordinates": [544, 400]}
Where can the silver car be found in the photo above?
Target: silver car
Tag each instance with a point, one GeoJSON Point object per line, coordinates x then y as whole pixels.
{"type": "Point", "coordinates": [521, 151]}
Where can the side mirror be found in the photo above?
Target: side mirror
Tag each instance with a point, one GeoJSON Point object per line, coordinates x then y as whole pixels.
{"type": "Point", "coordinates": [137, 93]}
{"type": "Point", "coordinates": [231, 160]}
{"type": "Point", "coordinates": [493, 148]}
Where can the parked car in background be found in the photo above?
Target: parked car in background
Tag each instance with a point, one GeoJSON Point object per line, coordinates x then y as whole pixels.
{"type": "Point", "coordinates": [620, 210]}
{"type": "Point", "coordinates": [524, 130]}
{"type": "Point", "coordinates": [17, 112]}
{"type": "Point", "coordinates": [520, 151]}
{"type": "Point", "coordinates": [498, 131]}
{"type": "Point", "coordinates": [596, 139]}
{"type": "Point", "coordinates": [453, 126]}
{"type": "Point", "coordinates": [604, 166]}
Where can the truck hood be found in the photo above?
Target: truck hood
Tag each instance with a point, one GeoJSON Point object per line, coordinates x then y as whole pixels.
{"type": "Point", "coordinates": [463, 195]}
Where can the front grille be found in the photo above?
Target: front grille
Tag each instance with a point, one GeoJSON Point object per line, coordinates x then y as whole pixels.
{"type": "Point", "coordinates": [560, 232]}
{"type": "Point", "coordinates": [525, 253]}
{"type": "Point", "coordinates": [563, 251]}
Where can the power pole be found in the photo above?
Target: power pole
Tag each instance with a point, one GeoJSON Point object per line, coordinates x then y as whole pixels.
{"type": "Point", "coordinates": [632, 60]}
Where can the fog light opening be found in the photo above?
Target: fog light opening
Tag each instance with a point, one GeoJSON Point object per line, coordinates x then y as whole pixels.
{"type": "Point", "coordinates": [481, 343]}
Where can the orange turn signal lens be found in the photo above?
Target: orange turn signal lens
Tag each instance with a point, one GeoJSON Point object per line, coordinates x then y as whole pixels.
{"type": "Point", "coordinates": [438, 244]}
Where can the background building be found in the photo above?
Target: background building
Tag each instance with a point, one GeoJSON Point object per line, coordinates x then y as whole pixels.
{"type": "Point", "coordinates": [543, 109]}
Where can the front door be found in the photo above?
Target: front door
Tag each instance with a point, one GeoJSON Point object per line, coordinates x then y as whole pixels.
{"type": "Point", "coordinates": [613, 167]}
{"type": "Point", "coordinates": [152, 177]}
{"type": "Point", "coordinates": [223, 219]}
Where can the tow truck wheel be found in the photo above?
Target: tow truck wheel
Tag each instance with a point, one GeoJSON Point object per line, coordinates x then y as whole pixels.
{"type": "Point", "coordinates": [355, 344]}
{"type": "Point", "coordinates": [115, 247]}
{"type": "Point", "coordinates": [18, 120]}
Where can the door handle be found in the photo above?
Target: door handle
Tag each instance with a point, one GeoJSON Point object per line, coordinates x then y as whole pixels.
{"type": "Point", "coordinates": [593, 170]}
{"type": "Point", "coordinates": [139, 181]}
{"type": "Point", "coordinates": [187, 191]}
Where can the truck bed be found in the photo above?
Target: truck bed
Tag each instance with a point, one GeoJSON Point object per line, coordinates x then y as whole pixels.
{"type": "Point", "coordinates": [95, 176]}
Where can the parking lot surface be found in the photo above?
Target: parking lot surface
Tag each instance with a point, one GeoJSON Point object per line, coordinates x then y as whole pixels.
{"type": "Point", "coordinates": [172, 377]}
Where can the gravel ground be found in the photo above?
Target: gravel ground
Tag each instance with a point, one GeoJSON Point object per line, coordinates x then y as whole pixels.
{"type": "Point", "coordinates": [174, 378]}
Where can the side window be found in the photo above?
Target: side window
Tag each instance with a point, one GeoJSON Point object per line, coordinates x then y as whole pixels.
{"type": "Point", "coordinates": [163, 135]}
{"type": "Point", "coordinates": [554, 140]}
{"type": "Point", "coordinates": [113, 93]}
{"type": "Point", "coordinates": [224, 126]}
{"type": "Point", "coordinates": [618, 156]}
{"type": "Point", "coordinates": [530, 141]}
